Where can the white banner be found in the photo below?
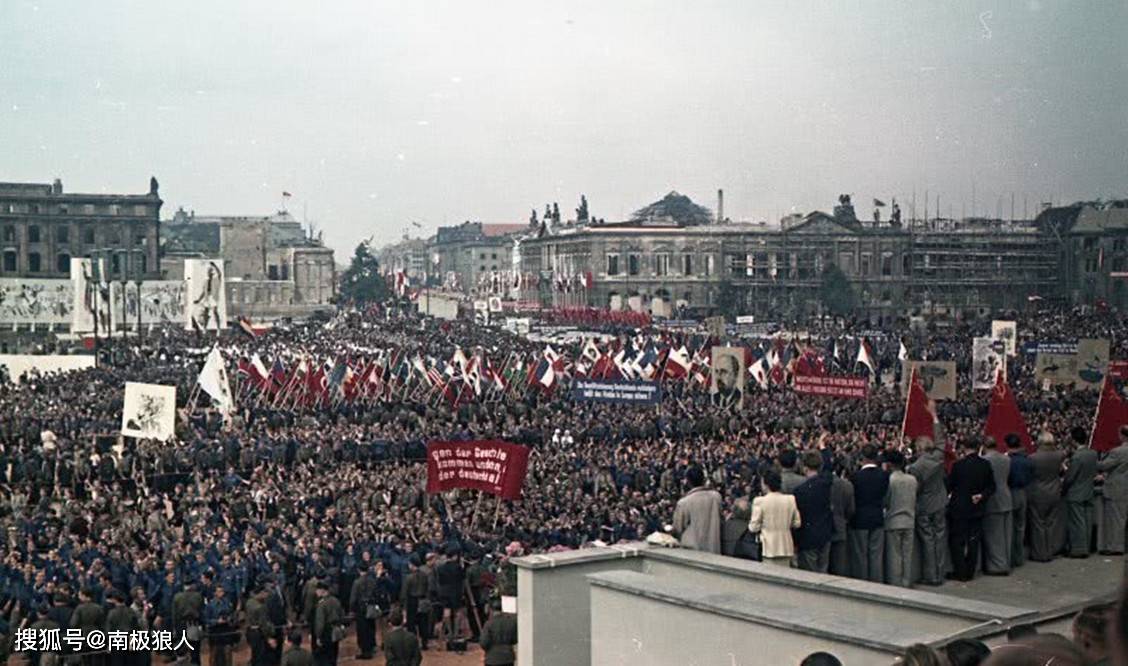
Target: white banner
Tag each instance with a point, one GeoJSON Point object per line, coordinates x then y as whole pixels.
{"type": "Point", "coordinates": [149, 411]}
{"type": "Point", "coordinates": [1007, 331]}
{"type": "Point", "coordinates": [213, 381]}
{"type": "Point", "coordinates": [206, 298]}
{"type": "Point", "coordinates": [988, 356]}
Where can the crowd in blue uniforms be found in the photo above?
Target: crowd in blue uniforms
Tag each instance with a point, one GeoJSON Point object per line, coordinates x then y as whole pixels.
{"type": "Point", "coordinates": [273, 497]}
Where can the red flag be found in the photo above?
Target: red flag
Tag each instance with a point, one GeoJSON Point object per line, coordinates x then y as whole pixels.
{"type": "Point", "coordinates": [920, 420]}
{"type": "Point", "coordinates": [1004, 418]}
{"type": "Point", "coordinates": [1112, 413]}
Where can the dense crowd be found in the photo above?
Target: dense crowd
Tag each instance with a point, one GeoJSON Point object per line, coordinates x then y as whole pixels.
{"type": "Point", "coordinates": [280, 522]}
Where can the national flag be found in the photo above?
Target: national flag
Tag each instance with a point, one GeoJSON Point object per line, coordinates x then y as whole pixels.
{"type": "Point", "coordinates": [1112, 414]}
{"type": "Point", "coordinates": [278, 374]}
{"type": "Point", "coordinates": [760, 371]}
{"type": "Point", "coordinates": [903, 354]}
{"type": "Point", "coordinates": [865, 357]}
{"type": "Point", "coordinates": [213, 381]}
{"type": "Point", "coordinates": [678, 363]}
{"type": "Point", "coordinates": [920, 412]}
{"type": "Point", "coordinates": [647, 362]}
{"type": "Point", "coordinates": [1004, 417]}
{"type": "Point", "coordinates": [258, 371]}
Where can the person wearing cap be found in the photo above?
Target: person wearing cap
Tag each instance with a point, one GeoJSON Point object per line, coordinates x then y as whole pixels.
{"type": "Point", "coordinates": [328, 617]}
{"type": "Point", "coordinates": [366, 609]}
{"type": "Point", "coordinates": [260, 630]}
{"type": "Point", "coordinates": [413, 598]}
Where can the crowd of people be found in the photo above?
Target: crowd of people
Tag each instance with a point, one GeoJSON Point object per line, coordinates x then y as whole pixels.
{"type": "Point", "coordinates": [280, 524]}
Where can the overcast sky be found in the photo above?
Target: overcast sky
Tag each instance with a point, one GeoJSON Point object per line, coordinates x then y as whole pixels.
{"type": "Point", "coordinates": [376, 114]}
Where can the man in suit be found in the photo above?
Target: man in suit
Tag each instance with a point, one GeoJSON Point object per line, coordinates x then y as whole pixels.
{"type": "Point", "coordinates": [867, 528]}
{"type": "Point", "coordinates": [900, 518]}
{"type": "Point", "coordinates": [296, 655]}
{"type": "Point", "coordinates": [1077, 491]}
{"type": "Point", "coordinates": [1043, 496]}
{"type": "Point", "coordinates": [361, 597]}
{"type": "Point", "coordinates": [401, 647]}
{"type": "Point", "coordinates": [791, 478]}
{"type": "Point", "coordinates": [736, 541]}
{"type": "Point", "coordinates": [812, 497]}
{"type": "Point", "coordinates": [1114, 468]}
{"type": "Point", "coordinates": [774, 515]}
{"type": "Point", "coordinates": [697, 516]}
{"type": "Point", "coordinates": [970, 484]}
{"type": "Point", "coordinates": [842, 509]}
{"type": "Point", "coordinates": [1021, 472]}
{"type": "Point", "coordinates": [932, 499]}
{"type": "Point", "coordinates": [997, 515]}
{"type": "Point", "coordinates": [327, 615]}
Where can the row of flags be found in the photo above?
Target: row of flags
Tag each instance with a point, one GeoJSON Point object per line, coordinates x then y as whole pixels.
{"type": "Point", "coordinates": [1004, 416]}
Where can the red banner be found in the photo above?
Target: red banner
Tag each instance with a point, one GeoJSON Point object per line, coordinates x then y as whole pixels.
{"type": "Point", "coordinates": [491, 466]}
{"type": "Point", "coordinates": [837, 387]}
{"type": "Point", "coordinates": [1118, 369]}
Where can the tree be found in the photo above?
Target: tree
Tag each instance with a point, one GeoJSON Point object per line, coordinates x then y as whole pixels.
{"type": "Point", "coordinates": [836, 293]}
{"type": "Point", "coordinates": [362, 282]}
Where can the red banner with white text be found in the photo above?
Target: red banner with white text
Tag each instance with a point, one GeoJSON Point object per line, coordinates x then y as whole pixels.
{"type": "Point", "coordinates": [491, 466]}
{"type": "Point", "coordinates": [836, 387]}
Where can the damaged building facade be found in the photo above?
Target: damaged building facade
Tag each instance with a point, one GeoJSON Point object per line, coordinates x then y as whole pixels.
{"type": "Point", "coordinates": [936, 267]}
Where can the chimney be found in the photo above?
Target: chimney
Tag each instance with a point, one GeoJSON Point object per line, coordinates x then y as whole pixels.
{"type": "Point", "coordinates": [57, 187]}
{"type": "Point", "coordinates": [720, 206]}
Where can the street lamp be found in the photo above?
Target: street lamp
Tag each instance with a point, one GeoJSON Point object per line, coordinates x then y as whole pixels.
{"type": "Point", "coordinates": [138, 278]}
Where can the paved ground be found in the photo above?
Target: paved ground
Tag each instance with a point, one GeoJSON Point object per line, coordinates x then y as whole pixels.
{"type": "Point", "coordinates": [1045, 586]}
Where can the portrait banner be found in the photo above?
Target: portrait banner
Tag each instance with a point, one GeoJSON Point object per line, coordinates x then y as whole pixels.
{"type": "Point", "coordinates": [728, 379]}
{"type": "Point", "coordinates": [91, 297]}
{"type": "Point", "coordinates": [1092, 362]}
{"type": "Point", "coordinates": [609, 390]}
{"type": "Point", "coordinates": [206, 298]}
{"type": "Point", "coordinates": [490, 466]}
{"type": "Point", "coordinates": [149, 411]}
{"type": "Point", "coordinates": [1007, 331]}
{"type": "Point", "coordinates": [837, 387]}
{"type": "Point", "coordinates": [1055, 369]}
{"type": "Point", "coordinates": [938, 378]}
{"type": "Point", "coordinates": [988, 357]}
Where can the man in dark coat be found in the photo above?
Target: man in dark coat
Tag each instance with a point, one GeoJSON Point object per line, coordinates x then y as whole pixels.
{"type": "Point", "coordinates": [362, 597]}
{"type": "Point", "coordinates": [812, 496]}
{"type": "Point", "coordinates": [867, 528]}
{"type": "Point", "coordinates": [1020, 474]}
{"type": "Point", "coordinates": [401, 647]}
{"type": "Point", "coordinates": [296, 655]}
{"type": "Point", "coordinates": [970, 484]}
{"type": "Point", "coordinates": [499, 636]}
{"type": "Point", "coordinates": [327, 615]}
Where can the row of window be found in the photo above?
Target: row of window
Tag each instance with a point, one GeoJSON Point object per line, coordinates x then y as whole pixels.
{"type": "Point", "coordinates": [664, 264]}
{"type": "Point", "coordinates": [82, 209]}
{"type": "Point", "coordinates": [10, 263]}
{"type": "Point", "coordinates": [62, 235]}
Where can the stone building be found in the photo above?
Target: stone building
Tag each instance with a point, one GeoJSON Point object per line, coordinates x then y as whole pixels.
{"type": "Point", "coordinates": [1092, 241]}
{"type": "Point", "coordinates": [411, 255]}
{"type": "Point", "coordinates": [666, 265]}
{"type": "Point", "coordinates": [273, 268]}
{"type": "Point", "coordinates": [472, 252]}
{"type": "Point", "coordinates": [42, 228]}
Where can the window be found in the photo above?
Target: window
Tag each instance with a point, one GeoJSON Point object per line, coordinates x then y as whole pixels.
{"type": "Point", "coordinates": [88, 235]}
{"type": "Point", "coordinates": [846, 262]}
{"type": "Point", "coordinates": [144, 264]}
{"type": "Point", "coordinates": [866, 258]}
{"type": "Point", "coordinates": [662, 264]}
{"type": "Point", "coordinates": [494, 267]}
{"type": "Point", "coordinates": [9, 234]}
{"type": "Point", "coordinates": [62, 263]}
{"type": "Point", "coordinates": [62, 234]}
{"type": "Point", "coordinates": [34, 262]}
{"type": "Point", "coordinates": [887, 265]}
{"type": "Point", "coordinates": [493, 256]}
{"type": "Point", "coordinates": [33, 209]}
{"type": "Point", "coordinates": [115, 263]}
{"type": "Point", "coordinates": [284, 271]}
{"type": "Point", "coordinates": [482, 256]}
{"type": "Point", "coordinates": [710, 268]}
{"type": "Point", "coordinates": [1118, 244]}
{"type": "Point", "coordinates": [633, 264]}
{"type": "Point", "coordinates": [10, 261]}
{"type": "Point", "coordinates": [612, 264]}
{"type": "Point", "coordinates": [114, 237]}
{"type": "Point", "coordinates": [272, 272]}
{"type": "Point", "coordinates": [687, 264]}
{"type": "Point", "coordinates": [88, 209]}
{"type": "Point", "coordinates": [1090, 243]}
{"type": "Point", "coordinates": [33, 234]}
{"type": "Point", "coordinates": [63, 209]}
{"type": "Point", "coordinates": [139, 240]}
{"type": "Point", "coordinates": [906, 264]}
{"type": "Point", "coordinates": [140, 209]}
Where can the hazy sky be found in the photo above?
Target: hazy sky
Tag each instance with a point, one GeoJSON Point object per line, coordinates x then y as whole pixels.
{"type": "Point", "coordinates": [377, 114]}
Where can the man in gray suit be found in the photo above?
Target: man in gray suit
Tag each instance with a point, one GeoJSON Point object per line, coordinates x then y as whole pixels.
{"type": "Point", "coordinates": [1115, 470]}
{"type": "Point", "coordinates": [697, 515]}
{"type": "Point", "coordinates": [789, 472]}
{"type": "Point", "coordinates": [842, 507]}
{"type": "Point", "coordinates": [1077, 487]}
{"type": "Point", "coordinates": [900, 518]}
{"type": "Point", "coordinates": [931, 502]}
{"type": "Point", "coordinates": [1043, 499]}
{"type": "Point", "coordinates": [997, 515]}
